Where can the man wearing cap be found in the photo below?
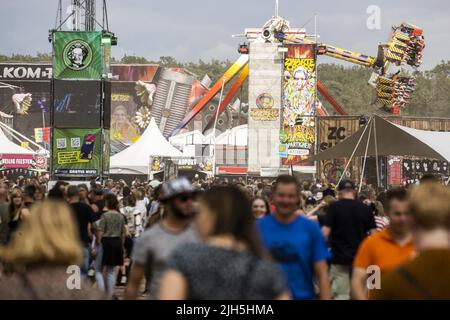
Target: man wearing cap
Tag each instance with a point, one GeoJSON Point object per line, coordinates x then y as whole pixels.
{"type": "Point", "coordinates": [156, 244]}
{"type": "Point", "coordinates": [347, 223]}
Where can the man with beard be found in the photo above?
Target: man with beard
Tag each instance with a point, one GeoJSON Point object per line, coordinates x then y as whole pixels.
{"type": "Point", "coordinates": [155, 245]}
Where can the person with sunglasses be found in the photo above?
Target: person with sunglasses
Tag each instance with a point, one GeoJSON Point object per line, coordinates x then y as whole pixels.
{"type": "Point", "coordinates": [154, 247]}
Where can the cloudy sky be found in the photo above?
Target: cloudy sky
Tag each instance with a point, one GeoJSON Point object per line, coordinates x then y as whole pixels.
{"type": "Point", "coordinates": [201, 29]}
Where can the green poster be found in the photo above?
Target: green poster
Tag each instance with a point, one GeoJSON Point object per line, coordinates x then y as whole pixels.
{"type": "Point", "coordinates": [77, 55]}
{"type": "Point", "coordinates": [77, 152]}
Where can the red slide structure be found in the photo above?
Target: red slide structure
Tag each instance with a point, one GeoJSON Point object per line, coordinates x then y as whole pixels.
{"type": "Point", "coordinates": [324, 91]}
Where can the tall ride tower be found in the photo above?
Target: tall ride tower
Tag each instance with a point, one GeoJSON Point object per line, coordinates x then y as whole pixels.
{"type": "Point", "coordinates": [282, 97]}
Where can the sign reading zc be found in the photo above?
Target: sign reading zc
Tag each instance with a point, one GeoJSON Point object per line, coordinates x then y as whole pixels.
{"type": "Point", "coordinates": [25, 72]}
{"type": "Point", "coordinates": [335, 135]}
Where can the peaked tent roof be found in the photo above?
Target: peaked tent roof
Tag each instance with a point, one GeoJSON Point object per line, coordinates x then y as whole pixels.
{"type": "Point", "coordinates": [9, 147]}
{"type": "Point", "coordinates": [135, 159]}
{"type": "Point", "coordinates": [386, 138]}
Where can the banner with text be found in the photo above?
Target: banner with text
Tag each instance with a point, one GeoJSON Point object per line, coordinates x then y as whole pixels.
{"type": "Point", "coordinates": [77, 152]}
{"type": "Point", "coordinates": [299, 96]}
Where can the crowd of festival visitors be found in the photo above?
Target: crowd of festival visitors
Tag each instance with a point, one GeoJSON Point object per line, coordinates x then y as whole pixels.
{"type": "Point", "coordinates": [223, 239]}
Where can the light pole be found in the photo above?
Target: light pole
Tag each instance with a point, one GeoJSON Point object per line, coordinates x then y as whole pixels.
{"type": "Point", "coordinates": [214, 128]}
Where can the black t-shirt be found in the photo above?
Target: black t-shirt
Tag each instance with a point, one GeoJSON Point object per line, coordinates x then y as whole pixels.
{"type": "Point", "coordinates": [350, 222]}
{"type": "Point", "coordinates": [321, 215]}
{"type": "Point", "coordinates": [83, 215]}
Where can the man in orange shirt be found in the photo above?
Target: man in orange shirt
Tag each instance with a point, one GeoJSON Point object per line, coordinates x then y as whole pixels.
{"type": "Point", "coordinates": [387, 249]}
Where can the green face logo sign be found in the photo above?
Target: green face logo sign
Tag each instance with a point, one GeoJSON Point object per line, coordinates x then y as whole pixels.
{"type": "Point", "coordinates": [77, 55]}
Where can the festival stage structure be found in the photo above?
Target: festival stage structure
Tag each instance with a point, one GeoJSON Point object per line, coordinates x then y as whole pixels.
{"type": "Point", "coordinates": [280, 64]}
{"type": "Point", "coordinates": [92, 106]}
{"type": "Point", "coordinates": [81, 94]}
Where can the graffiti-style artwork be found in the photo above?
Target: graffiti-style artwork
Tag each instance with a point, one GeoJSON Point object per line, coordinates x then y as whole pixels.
{"type": "Point", "coordinates": [332, 170]}
{"type": "Point", "coordinates": [299, 85]}
{"type": "Point", "coordinates": [299, 96]}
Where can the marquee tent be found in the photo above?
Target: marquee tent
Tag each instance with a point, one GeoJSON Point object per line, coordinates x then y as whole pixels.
{"type": "Point", "coordinates": [135, 159]}
{"type": "Point", "coordinates": [383, 138]}
{"type": "Point", "coordinates": [13, 156]}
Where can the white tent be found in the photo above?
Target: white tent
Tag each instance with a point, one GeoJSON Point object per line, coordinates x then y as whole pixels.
{"type": "Point", "coordinates": [135, 159]}
{"type": "Point", "coordinates": [9, 147]}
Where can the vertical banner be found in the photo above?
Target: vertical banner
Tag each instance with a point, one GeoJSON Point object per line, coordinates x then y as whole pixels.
{"type": "Point", "coordinates": [394, 171]}
{"type": "Point", "coordinates": [297, 135]}
{"type": "Point", "coordinates": [77, 55]}
{"type": "Point", "coordinates": [132, 97]}
{"type": "Point", "coordinates": [77, 152]}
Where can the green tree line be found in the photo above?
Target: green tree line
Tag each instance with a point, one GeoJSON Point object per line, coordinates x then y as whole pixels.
{"type": "Point", "coordinates": [347, 85]}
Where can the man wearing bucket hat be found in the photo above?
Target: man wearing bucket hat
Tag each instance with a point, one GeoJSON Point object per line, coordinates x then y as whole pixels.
{"type": "Point", "coordinates": [155, 245]}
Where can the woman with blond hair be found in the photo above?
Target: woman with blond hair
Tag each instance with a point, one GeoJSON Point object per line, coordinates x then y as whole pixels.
{"type": "Point", "coordinates": [44, 255]}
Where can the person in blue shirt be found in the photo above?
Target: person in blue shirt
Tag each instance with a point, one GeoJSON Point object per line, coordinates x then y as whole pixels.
{"type": "Point", "coordinates": [295, 242]}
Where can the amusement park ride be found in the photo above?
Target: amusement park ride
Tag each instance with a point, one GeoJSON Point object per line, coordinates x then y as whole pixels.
{"type": "Point", "coordinates": [391, 77]}
{"type": "Point", "coordinates": [278, 61]}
